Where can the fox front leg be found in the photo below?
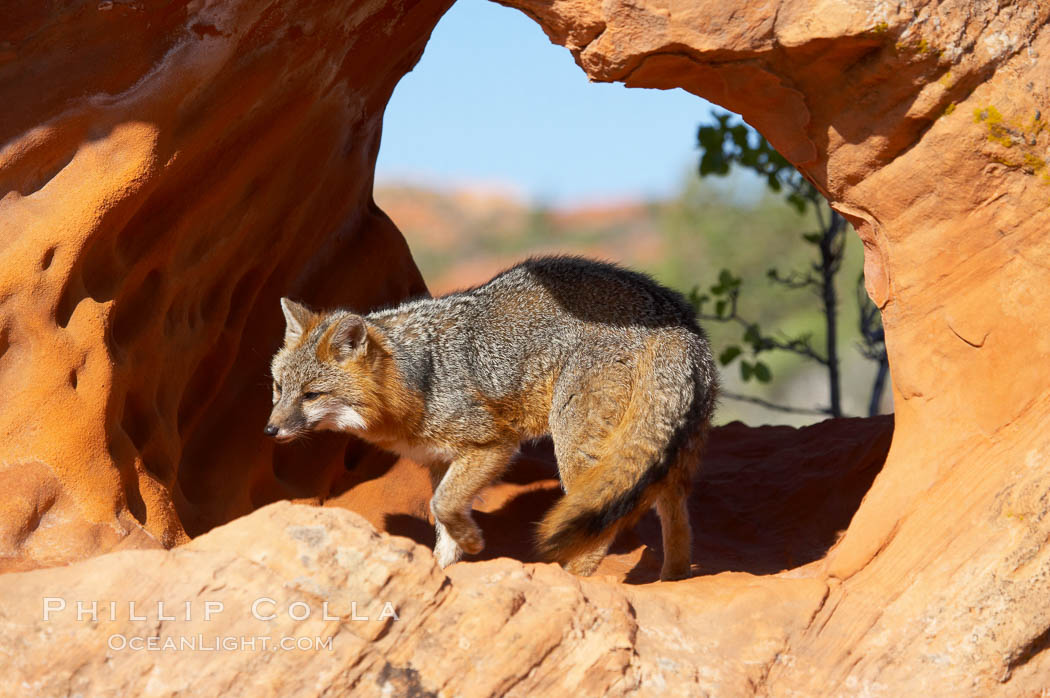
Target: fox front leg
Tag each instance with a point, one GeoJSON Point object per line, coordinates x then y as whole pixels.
{"type": "Point", "coordinates": [454, 497]}
{"type": "Point", "coordinates": [445, 548]}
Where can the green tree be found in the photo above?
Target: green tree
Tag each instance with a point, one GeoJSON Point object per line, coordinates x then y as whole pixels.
{"type": "Point", "coordinates": [728, 142]}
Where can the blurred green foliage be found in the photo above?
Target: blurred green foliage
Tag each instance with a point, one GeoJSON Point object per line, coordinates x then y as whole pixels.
{"type": "Point", "coordinates": [727, 143]}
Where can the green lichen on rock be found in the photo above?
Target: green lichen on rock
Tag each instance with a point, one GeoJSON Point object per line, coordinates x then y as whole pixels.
{"type": "Point", "coordinates": [1033, 164]}
{"type": "Point", "coordinates": [1018, 134]}
{"type": "Point", "coordinates": [998, 131]}
{"type": "Point", "coordinates": [922, 48]}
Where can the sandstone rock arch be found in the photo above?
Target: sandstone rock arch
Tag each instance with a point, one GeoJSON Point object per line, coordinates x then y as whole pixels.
{"type": "Point", "coordinates": [158, 194]}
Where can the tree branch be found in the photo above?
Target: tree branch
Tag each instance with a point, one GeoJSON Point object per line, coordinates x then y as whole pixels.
{"type": "Point", "coordinates": [772, 405]}
{"type": "Point", "coordinates": [794, 280]}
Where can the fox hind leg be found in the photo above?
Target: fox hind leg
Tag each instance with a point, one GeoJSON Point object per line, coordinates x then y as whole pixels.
{"type": "Point", "coordinates": [672, 507]}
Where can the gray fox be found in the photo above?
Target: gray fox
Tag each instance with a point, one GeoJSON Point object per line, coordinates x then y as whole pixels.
{"type": "Point", "coordinates": [610, 364]}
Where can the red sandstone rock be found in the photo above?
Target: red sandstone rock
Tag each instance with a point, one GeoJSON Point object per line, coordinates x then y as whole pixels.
{"type": "Point", "coordinates": [167, 172]}
{"type": "Point", "coordinates": [490, 628]}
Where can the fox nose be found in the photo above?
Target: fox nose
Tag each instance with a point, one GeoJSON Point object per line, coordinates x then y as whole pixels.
{"type": "Point", "coordinates": [270, 430]}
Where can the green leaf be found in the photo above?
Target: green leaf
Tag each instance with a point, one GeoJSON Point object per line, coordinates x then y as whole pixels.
{"type": "Point", "coordinates": [697, 299]}
{"type": "Point", "coordinates": [745, 370]}
{"type": "Point", "coordinates": [708, 163]}
{"type": "Point", "coordinates": [813, 238]}
{"type": "Point", "coordinates": [797, 201]}
{"type": "Point", "coordinates": [720, 308]}
{"type": "Point", "coordinates": [762, 372]}
{"type": "Point", "coordinates": [752, 335]}
{"type": "Point", "coordinates": [730, 353]}
{"type": "Point", "coordinates": [739, 133]}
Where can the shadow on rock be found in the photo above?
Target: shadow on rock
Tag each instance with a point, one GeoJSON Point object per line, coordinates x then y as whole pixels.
{"type": "Point", "coordinates": [767, 499]}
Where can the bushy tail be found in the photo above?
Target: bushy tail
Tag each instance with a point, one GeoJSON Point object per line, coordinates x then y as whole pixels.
{"type": "Point", "coordinates": [652, 438]}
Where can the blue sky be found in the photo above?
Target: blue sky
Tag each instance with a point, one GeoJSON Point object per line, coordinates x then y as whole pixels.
{"type": "Point", "coordinates": [493, 102]}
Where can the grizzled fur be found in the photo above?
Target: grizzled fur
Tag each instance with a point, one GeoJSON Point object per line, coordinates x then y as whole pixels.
{"type": "Point", "coordinates": [609, 363]}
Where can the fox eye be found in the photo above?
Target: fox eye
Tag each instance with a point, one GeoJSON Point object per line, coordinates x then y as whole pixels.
{"type": "Point", "coordinates": [277, 387]}
{"type": "Point", "coordinates": [312, 395]}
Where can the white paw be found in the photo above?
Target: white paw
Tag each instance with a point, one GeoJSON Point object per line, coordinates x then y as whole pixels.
{"type": "Point", "coordinates": [445, 550]}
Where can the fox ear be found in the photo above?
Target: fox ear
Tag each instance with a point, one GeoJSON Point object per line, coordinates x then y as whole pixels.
{"type": "Point", "coordinates": [348, 335]}
{"type": "Point", "coordinates": [297, 318]}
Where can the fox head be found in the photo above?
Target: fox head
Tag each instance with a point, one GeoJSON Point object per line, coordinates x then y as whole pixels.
{"type": "Point", "coordinates": [322, 376]}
